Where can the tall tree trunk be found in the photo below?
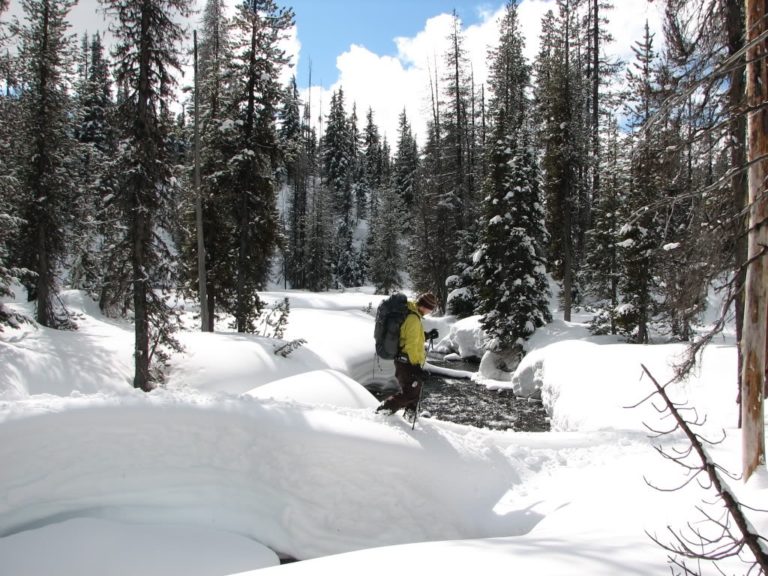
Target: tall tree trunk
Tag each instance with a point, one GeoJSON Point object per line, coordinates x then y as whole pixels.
{"type": "Point", "coordinates": [756, 287]}
{"type": "Point", "coordinates": [141, 225]}
{"type": "Point", "coordinates": [42, 166]}
{"type": "Point", "coordinates": [244, 224]}
{"type": "Point", "coordinates": [595, 105]}
{"type": "Point", "coordinates": [201, 282]}
{"type": "Point", "coordinates": [141, 377]}
{"type": "Point", "coordinates": [734, 14]}
{"type": "Point", "coordinates": [566, 184]}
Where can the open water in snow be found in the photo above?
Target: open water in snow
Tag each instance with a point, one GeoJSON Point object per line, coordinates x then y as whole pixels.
{"type": "Point", "coordinates": [464, 402]}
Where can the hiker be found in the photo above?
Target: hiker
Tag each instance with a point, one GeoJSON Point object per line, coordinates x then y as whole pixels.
{"type": "Point", "coordinates": [411, 356]}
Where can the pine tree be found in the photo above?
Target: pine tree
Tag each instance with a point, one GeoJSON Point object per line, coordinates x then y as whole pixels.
{"type": "Point", "coordinates": [292, 135]}
{"type": "Point", "coordinates": [372, 166]}
{"type": "Point", "coordinates": [640, 232]}
{"type": "Point", "coordinates": [260, 25]}
{"type": "Point", "coordinates": [406, 163]}
{"type": "Point", "coordinates": [559, 101]}
{"type": "Point", "coordinates": [338, 158]}
{"type": "Point", "coordinates": [602, 269]}
{"type": "Point", "coordinates": [509, 270]}
{"type": "Point", "coordinates": [456, 129]}
{"type": "Point", "coordinates": [319, 264]}
{"type": "Point", "coordinates": [217, 137]}
{"type": "Point", "coordinates": [146, 51]}
{"type": "Point", "coordinates": [47, 173]}
{"type": "Point", "coordinates": [513, 291]}
{"type": "Point", "coordinates": [97, 149]}
{"type": "Point", "coordinates": [432, 250]}
{"type": "Point", "coordinates": [10, 223]}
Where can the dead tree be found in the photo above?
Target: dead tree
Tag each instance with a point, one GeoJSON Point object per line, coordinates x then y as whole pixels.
{"type": "Point", "coordinates": [754, 343]}
{"type": "Point", "coordinates": [726, 534]}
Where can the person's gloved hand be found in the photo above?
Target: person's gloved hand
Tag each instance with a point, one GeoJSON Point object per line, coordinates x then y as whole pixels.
{"type": "Point", "coordinates": [432, 334]}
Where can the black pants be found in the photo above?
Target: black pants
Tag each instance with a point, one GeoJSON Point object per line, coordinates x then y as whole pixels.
{"type": "Point", "coordinates": [409, 377]}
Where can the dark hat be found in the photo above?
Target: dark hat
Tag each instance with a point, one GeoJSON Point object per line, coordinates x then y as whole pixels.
{"type": "Point", "coordinates": [427, 300]}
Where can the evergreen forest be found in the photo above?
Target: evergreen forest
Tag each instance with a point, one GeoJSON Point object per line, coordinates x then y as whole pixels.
{"type": "Point", "coordinates": [624, 182]}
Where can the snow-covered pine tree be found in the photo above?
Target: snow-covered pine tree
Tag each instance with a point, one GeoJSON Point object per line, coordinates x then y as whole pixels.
{"type": "Point", "coordinates": [640, 234]}
{"type": "Point", "coordinates": [432, 245]}
{"type": "Point", "coordinates": [386, 249]}
{"type": "Point", "coordinates": [217, 144]}
{"type": "Point", "coordinates": [260, 27]}
{"type": "Point", "coordinates": [510, 272]}
{"type": "Point", "coordinates": [456, 129]}
{"type": "Point", "coordinates": [46, 174]}
{"type": "Point", "coordinates": [406, 163]}
{"type": "Point", "coordinates": [97, 149]}
{"type": "Point", "coordinates": [602, 266]}
{"type": "Point", "coordinates": [338, 163]}
{"type": "Point", "coordinates": [559, 103]}
{"type": "Point", "coordinates": [147, 51]}
{"type": "Point", "coordinates": [510, 264]}
{"type": "Point", "coordinates": [336, 157]}
{"type": "Point", "coordinates": [10, 223]}
{"type": "Point", "coordinates": [373, 163]}
{"type": "Point", "coordinates": [372, 166]}
{"type": "Point", "coordinates": [358, 191]}
{"type": "Point", "coordinates": [318, 270]}
{"type": "Point", "coordinates": [296, 166]}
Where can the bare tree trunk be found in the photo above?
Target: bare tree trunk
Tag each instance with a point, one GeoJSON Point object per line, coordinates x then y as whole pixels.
{"type": "Point", "coordinates": [756, 285]}
{"type": "Point", "coordinates": [734, 14]}
{"type": "Point", "coordinates": [566, 185]}
{"type": "Point", "coordinates": [142, 224]}
{"type": "Point", "coordinates": [199, 210]}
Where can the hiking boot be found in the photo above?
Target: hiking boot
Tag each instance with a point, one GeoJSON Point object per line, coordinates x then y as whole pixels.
{"type": "Point", "coordinates": [387, 408]}
{"type": "Point", "coordinates": [410, 413]}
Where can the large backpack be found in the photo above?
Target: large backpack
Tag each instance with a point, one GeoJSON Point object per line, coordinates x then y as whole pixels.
{"type": "Point", "coordinates": [389, 317]}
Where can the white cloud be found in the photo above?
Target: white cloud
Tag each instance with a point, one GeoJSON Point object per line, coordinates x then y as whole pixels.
{"type": "Point", "coordinates": [390, 84]}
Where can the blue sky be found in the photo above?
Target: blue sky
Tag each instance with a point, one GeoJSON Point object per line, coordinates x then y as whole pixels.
{"type": "Point", "coordinates": [327, 28]}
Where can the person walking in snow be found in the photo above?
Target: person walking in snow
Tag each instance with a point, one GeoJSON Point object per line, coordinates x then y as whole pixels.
{"type": "Point", "coordinates": [409, 363]}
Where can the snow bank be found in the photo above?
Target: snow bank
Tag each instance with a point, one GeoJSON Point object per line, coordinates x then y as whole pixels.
{"type": "Point", "coordinates": [233, 464]}
{"type": "Point", "coordinates": [92, 546]}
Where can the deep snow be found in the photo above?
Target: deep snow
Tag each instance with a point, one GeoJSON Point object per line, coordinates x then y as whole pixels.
{"type": "Point", "coordinates": [245, 454]}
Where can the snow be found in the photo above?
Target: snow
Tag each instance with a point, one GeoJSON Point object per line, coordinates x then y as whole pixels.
{"type": "Point", "coordinates": [245, 455]}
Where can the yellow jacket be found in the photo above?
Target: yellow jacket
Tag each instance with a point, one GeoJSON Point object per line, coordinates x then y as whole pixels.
{"type": "Point", "coordinates": [412, 336]}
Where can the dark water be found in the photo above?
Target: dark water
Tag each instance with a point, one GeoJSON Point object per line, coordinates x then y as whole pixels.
{"type": "Point", "coordinates": [464, 402]}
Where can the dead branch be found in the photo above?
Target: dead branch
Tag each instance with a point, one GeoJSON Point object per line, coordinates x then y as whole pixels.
{"type": "Point", "coordinates": [725, 540]}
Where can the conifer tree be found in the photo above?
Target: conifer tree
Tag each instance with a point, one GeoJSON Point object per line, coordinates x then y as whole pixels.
{"type": "Point", "coordinates": [510, 265]}
{"type": "Point", "coordinates": [456, 122]}
{"type": "Point", "coordinates": [46, 175]}
{"type": "Point", "coordinates": [513, 288]}
{"type": "Point", "coordinates": [97, 149]}
{"type": "Point", "coordinates": [296, 161]}
{"type": "Point", "coordinates": [338, 158]}
{"type": "Point", "coordinates": [260, 27]}
{"type": "Point", "coordinates": [217, 144]}
{"type": "Point", "coordinates": [146, 52]}
{"type": "Point", "coordinates": [372, 166]}
{"type": "Point", "coordinates": [406, 163]}
{"type": "Point", "coordinates": [602, 267]}
{"type": "Point", "coordinates": [559, 105]}
{"type": "Point", "coordinates": [640, 232]}
{"type": "Point", "coordinates": [10, 222]}
{"type": "Point", "coordinates": [318, 270]}
{"type": "Point", "coordinates": [431, 254]}
{"type": "Point", "coordinates": [386, 260]}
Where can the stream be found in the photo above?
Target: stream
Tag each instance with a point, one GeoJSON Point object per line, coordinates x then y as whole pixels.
{"type": "Point", "coordinates": [462, 401]}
